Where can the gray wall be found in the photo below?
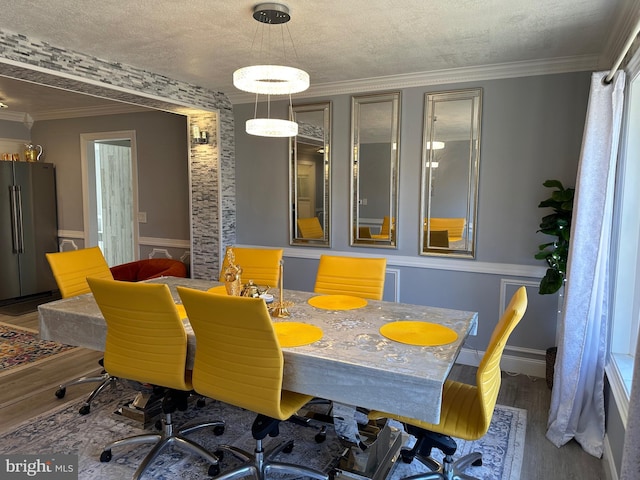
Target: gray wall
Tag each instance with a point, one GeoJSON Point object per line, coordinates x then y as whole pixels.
{"type": "Point", "coordinates": [374, 175]}
{"type": "Point", "coordinates": [163, 177]}
{"type": "Point", "coordinates": [450, 181]}
{"type": "Point", "coordinates": [11, 129]}
{"type": "Point", "coordinates": [531, 132]}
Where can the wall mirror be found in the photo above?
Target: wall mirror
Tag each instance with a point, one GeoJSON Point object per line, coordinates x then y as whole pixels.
{"type": "Point", "coordinates": [309, 173]}
{"type": "Point", "coordinates": [375, 146]}
{"type": "Point", "coordinates": [450, 163]}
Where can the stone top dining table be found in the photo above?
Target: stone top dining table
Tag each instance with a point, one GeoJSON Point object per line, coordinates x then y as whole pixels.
{"type": "Point", "coordinates": [353, 363]}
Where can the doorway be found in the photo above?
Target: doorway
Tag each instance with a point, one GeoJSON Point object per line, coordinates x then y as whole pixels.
{"type": "Point", "coordinates": [110, 194]}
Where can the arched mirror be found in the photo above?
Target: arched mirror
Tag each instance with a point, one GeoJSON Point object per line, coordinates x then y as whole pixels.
{"type": "Point", "coordinates": [450, 163]}
{"type": "Point", "coordinates": [375, 146]}
{"type": "Point", "coordinates": [309, 173]}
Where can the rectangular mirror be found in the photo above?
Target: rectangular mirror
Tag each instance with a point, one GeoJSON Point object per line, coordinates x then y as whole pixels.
{"type": "Point", "coordinates": [375, 146]}
{"type": "Point", "coordinates": [450, 165]}
{"type": "Point", "coordinates": [309, 174]}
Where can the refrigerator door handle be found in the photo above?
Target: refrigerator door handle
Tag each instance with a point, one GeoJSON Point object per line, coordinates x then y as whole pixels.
{"type": "Point", "coordinates": [17, 235]}
{"type": "Point", "coordinates": [20, 223]}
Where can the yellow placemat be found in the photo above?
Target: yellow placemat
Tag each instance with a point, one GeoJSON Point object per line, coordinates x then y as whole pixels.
{"type": "Point", "coordinates": [181, 310]}
{"type": "Point", "coordinates": [337, 302]}
{"type": "Point", "coordinates": [219, 290]}
{"type": "Point", "coordinates": [296, 334]}
{"type": "Point", "coordinates": [413, 332]}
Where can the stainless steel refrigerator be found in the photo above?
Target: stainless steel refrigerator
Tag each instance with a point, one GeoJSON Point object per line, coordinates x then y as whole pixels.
{"type": "Point", "coordinates": [28, 228]}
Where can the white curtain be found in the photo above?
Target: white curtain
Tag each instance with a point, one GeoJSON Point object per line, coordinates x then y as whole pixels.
{"type": "Point", "coordinates": [631, 452]}
{"type": "Point", "coordinates": [577, 400]}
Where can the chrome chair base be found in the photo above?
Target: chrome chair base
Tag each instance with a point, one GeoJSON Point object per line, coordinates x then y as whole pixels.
{"type": "Point", "coordinates": [105, 380]}
{"type": "Point", "coordinates": [449, 469]}
{"type": "Point", "coordinates": [165, 439]}
{"type": "Point", "coordinates": [258, 464]}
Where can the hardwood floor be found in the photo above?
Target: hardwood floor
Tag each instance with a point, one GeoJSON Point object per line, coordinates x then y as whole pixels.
{"type": "Point", "coordinates": [30, 392]}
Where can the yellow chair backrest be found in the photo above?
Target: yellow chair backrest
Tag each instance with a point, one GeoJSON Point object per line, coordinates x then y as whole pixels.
{"type": "Point", "coordinates": [262, 265]}
{"type": "Point", "coordinates": [488, 377]}
{"type": "Point", "coordinates": [238, 358]}
{"type": "Point", "coordinates": [387, 225]}
{"type": "Point", "coordinates": [310, 228]}
{"type": "Point", "coordinates": [146, 340]}
{"type": "Point", "coordinates": [360, 277]}
{"type": "Point", "coordinates": [71, 269]}
{"type": "Point", "coordinates": [455, 226]}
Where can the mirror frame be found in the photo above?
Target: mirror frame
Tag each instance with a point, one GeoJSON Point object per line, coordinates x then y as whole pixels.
{"type": "Point", "coordinates": [306, 132]}
{"type": "Point", "coordinates": [358, 237]}
{"type": "Point", "coordinates": [431, 101]}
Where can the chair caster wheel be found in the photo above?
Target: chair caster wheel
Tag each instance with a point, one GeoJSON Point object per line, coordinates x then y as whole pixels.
{"type": "Point", "coordinates": [289, 447]}
{"type": "Point", "coordinates": [219, 430]}
{"type": "Point", "coordinates": [406, 455]}
{"type": "Point", "coordinates": [214, 470]}
{"type": "Point", "coordinates": [61, 392]}
{"type": "Point", "coordinates": [477, 463]}
{"type": "Point", "coordinates": [321, 436]}
{"type": "Point", "coordinates": [200, 403]}
{"type": "Point", "coordinates": [84, 409]}
{"type": "Point", "coordinates": [219, 455]}
{"type": "Point", "coordinates": [105, 456]}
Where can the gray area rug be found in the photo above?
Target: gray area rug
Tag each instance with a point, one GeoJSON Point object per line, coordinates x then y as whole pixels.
{"type": "Point", "coordinates": [65, 431]}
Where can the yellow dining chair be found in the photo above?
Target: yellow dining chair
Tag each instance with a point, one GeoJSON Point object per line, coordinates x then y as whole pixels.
{"type": "Point", "coordinates": [387, 229]}
{"type": "Point", "coordinates": [310, 228]}
{"type": "Point", "coordinates": [455, 227]}
{"type": "Point", "coordinates": [262, 265]}
{"type": "Point", "coordinates": [239, 361]}
{"type": "Point", "coordinates": [70, 270]}
{"type": "Point", "coordinates": [466, 409]}
{"type": "Point", "coordinates": [360, 277]}
{"type": "Point", "coordinates": [147, 343]}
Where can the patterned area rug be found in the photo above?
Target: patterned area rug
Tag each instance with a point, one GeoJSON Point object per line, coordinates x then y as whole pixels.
{"type": "Point", "coordinates": [64, 431]}
{"type": "Point", "coordinates": [21, 347]}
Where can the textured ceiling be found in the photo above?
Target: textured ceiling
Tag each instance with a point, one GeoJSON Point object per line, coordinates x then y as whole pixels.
{"type": "Point", "coordinates": [337, 41]}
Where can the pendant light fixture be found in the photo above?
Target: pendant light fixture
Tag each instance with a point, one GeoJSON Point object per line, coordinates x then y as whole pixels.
{"type": "Point", "coordinates": [271, 79]}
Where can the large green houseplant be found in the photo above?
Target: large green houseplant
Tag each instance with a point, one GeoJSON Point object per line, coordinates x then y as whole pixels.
{"type": "Point", "coordinates": [558, 225]}
{"type": "Point", "coordinates": [556, 253]}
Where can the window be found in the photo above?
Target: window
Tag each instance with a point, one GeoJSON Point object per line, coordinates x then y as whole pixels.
{"type": "Point", "coordinates": [626, 251]}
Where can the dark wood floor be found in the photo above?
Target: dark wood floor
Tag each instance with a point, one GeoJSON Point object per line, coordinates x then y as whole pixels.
{"type": "Point", "coordinates": [30, 391]}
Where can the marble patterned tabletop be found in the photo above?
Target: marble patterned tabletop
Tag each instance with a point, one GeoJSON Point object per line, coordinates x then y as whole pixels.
{"type": "Point", "coordinates": [352, 363]}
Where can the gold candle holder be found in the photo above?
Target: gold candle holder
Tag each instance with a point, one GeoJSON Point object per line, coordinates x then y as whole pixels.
{"type": "Point", "coordinates": [279, 308]}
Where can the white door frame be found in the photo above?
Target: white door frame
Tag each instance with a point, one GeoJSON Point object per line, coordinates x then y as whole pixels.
{"type": "Point", "coordinates": [89, 138]}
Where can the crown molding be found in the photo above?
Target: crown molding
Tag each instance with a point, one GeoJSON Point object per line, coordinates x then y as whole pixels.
{"type": "Point", "coordinates": [12, 116]}
{"type": "Point", "coordinates": [438, 77]}
{"type": "Point", "coordinates": [115, 109]}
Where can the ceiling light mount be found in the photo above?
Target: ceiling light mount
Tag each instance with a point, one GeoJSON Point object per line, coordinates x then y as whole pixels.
{"type": "Point", "coordinates": [273, 13]}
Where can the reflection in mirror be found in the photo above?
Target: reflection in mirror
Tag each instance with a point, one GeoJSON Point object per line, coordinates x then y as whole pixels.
{"type": "Point", "coordinates": [375, 137]}
{"type": "Point", "coordinates": [450, 155]}
{"type": "Point", "coordinates": [309, 170]}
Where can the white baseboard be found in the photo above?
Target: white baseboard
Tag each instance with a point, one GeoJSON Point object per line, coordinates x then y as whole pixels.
{"type": "Point", "coordinates": [532, 367]}
{"type": "Point", "coordinates": [607, 457]}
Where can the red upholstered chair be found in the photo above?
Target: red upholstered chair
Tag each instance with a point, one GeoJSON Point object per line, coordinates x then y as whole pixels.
{"type": "Point", "coordinates": [149, 268]}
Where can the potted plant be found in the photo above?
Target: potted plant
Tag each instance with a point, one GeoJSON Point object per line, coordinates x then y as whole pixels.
{"type": "Point", "coordinates": [557, 224]}
{"type": "Point", "coordinates": [555, 253]}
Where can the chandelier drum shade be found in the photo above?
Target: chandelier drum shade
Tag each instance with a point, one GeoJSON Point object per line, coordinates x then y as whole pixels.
{"type": "Point", "coordinates": [269, 78]}
{"type": "Point", "coordinates": [271, 127]}
{"type": "Point", "coordinates": [436, 145]}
